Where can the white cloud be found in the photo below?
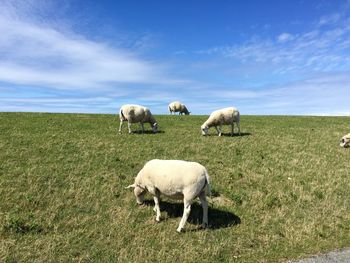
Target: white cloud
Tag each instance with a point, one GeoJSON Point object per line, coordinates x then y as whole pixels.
{"type": "Point", "coordinates": [59, 104]}
{"type": "Point", "coordinates": [321, 95]}
{"type": "Point", "coordinates": [284, 37]}
{"type": "Point", "coordinates": [325, 94]}
{"type": "Point", "coordinates": [37, 53]}
{"type": "Point", "coordinates": [322, 49]}
{"type": "Point", "coordinates": [49, 67]}
{"type": "Point", "coordinates": [329, 19]}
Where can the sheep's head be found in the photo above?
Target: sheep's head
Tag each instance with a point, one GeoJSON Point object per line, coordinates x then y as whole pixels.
{"type": "Point", "coordinates": [345, 141]}
{"type": "Point", "coordinates": [204, 129]}
{"type": "Point", "coordinates": [139, 193]}
{"type": "Point", "coordinates": [155, 127]}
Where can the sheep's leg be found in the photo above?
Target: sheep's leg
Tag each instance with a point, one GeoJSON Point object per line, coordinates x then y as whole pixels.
{"type": "Point", "coordinates": [232, 128]}
{"type": "Point", "coordinates": [156, 207]}
{"type": "Point", "coordinates": [187, 210]}
{"type": "Point", "coordinates": [204, 204]}
{"type": "Point", "coordinates": [129, 126]}
{"type": "Point", "coordinates": [142, 128]}
{"type": "Point", "coordinates": [120, 126]}
{"type": "Point", "coordinates": [239, 128]}
{"type": "Point", "coordinates": [218, 130]}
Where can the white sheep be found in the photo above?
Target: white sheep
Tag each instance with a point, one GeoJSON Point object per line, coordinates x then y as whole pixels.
{"type": "Point", "coordinates": [226, 116]}
{"type": "Point", "coordinates": [345, 141]}
{"type": "Point", "coordinates": [135, 114]}
{"type": "Point", "coordinates": [177, 106]}
{"type": "Point", "coordinates": [175, 179]}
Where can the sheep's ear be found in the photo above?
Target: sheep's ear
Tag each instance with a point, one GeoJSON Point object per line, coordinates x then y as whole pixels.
{"type": "Point", "coordinates": [130, 186]}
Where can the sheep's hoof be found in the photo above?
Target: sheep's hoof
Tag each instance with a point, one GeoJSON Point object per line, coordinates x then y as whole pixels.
{"type": "Point", "coordinates": [157, 220]}
{"type": "Point", "coordinates": [179, 230]}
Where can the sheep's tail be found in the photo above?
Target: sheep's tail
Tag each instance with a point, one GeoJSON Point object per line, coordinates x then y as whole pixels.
{"type": "Point", "coordinates": [236, 115]}
{"type": "Point", "coordinates": [121, 114]}
{"type": "Point", "coordinates": [207, 181]}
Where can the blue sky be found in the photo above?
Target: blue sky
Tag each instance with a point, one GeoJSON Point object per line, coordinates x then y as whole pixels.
{"type": "Point", "coordinates": [263, 57]}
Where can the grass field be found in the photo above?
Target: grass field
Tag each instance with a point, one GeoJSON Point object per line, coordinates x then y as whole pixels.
{"type": "Point", "coordinates": [281, 191]}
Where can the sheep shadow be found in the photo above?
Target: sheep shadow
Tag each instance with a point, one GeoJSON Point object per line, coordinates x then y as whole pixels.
{"type": "Point", "coordinates": [140, 132]}
{"type": "Point", "coordinates": [236, 134]}
{"type": "Point", "coordinates": [217, 218]}
{"type": "Point", "coordinates": [228, 134]}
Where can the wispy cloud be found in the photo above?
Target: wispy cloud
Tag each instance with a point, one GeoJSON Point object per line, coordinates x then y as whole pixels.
{"type": "Point", "coordinates": [317, 95]}
{"type": "Point", "coordinates": [47, 66]}
{"type": "Point", "coordinates": [36, 53]}
{"type": "Point", "coordinates": [329, 19]}
{"type": "Point", "coordinates": [285, 37]}
{"type": "Point", "coordinates": [324, 48]}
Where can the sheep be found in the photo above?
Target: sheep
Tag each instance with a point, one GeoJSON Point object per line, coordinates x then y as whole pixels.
{"type": "Point", "coordinates": [221, 117]}
{"type": "Point", "coordinates": [176, 179]}
{"type": "Point", "coordinates": [345, 141]}
{"type": "Point", "coordinates": [134, 114]}
{"type": "Point", "coordinates": [177, 106]}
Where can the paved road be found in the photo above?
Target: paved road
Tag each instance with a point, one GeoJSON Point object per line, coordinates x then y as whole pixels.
{"type": "Point", "coordinates": [339, 256]}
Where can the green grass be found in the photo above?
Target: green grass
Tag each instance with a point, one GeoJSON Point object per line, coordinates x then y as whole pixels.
{"type": "Point", "coordinates": [282, 191]}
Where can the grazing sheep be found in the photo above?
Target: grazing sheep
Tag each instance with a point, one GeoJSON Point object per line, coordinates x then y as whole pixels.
{"type": "Point", "coordinates": [177, 106]}
{"type": "Point", "coordinates": [175, 179]}
{"type": "Point", "coordinates": [134, 114]}
{"type": "Point", "coordinates": [345, 141]}
{"type": "Point", "coordinates": [221, 117]}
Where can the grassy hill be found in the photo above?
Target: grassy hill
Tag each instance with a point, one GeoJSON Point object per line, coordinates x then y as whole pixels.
{"type": "Point", "coordinates": [281, 191]}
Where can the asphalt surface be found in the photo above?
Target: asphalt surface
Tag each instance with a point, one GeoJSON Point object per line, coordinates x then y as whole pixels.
{"type": "Point", "coordinates": [339, 256]}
